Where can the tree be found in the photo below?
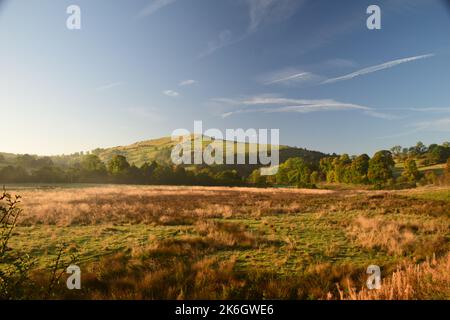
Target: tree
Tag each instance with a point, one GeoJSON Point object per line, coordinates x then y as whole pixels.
{"type": "Point", "coordinates": [341, 165]}
{"type": "Point", "coordinates": [203, 176]}
{"type": "Point", "coordinates": [49, 174]}
{"type": "Point", "coordinates": [360, 168]}
{"type": "Point", "coordinates": [411, 172]}
{"type": "Point", "coordinates": [146, 172]}
{"type": "Point", "coordinates": [437, 154]}
{"type": "Point", "coordinates": [380, 167]}
{"type": "Point", "coordinates": [326, 166]}
{"type": "Point", "coordinates": [228, 178]}
{"type": "Point", "coordinates": [118, 168]}
{"type": "Point", "coordinates": [14, 174]}
{"type": "Point", "coordinates": [92, 163]}
{"type": "Point", "coordinates": [2, 158]}
{"type": "Point", "coordinates": [118, 165]}
{"type": "Point", "coordinates": [179, 175]}
{"type": "Point", "coordinates": [420, 148]}
{"type": "Point", "coordinates": [257, 179]}
{"type": "Point", "coordinates": [92, 168]}
{"type": "Point", "coordinates": [25, 161]}
{"type": "Point", "coordinates": [294, 172]}
{"type": "Point", "coordinates": [43, 162]}
{"type": "Point", "coordinates": [162, 174]}
{"type": "Point", "coordinates": [314, 177]}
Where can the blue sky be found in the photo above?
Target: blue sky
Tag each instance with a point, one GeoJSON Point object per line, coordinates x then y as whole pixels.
{"type": "Point", "coordinates": [141, 69]}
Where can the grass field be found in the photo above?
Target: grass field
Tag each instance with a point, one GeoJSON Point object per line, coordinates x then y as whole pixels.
{"type": "Point", "coordinates": [438, 169]}
{"type": "Point", "coordinates": [213, 242]}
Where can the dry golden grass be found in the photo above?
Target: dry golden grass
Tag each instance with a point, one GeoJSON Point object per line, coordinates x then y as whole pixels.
{"type": "Point", "coordinates": [429, 280]}
{"type": "Point", "coordinates": [183, 205]}
{"type": "Point", "coordinates": [375, 233]}
{"type": "Point", "coordinates": [241, 243]}
{"type": "Point", "coordinates": [160, 205]}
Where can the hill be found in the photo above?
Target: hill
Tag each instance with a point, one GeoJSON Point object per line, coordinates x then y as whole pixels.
{"type": "Point", "coordinates": [159, 150]}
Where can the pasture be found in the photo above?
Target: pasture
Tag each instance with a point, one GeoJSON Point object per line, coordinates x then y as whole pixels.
{"type": "Point", "coordinates": [215, 242]}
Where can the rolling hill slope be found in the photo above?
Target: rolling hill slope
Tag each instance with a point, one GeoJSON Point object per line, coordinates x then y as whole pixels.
{"type": "Point", "coordinates": [160, 150]}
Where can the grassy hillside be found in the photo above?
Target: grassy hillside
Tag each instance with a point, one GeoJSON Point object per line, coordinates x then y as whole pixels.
{"type": "Point", "coordinates": [160, 149]}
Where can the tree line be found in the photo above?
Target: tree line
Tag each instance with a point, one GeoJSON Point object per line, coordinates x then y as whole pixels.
{"type": "Point", "coordinates": [433, 154]}
{"type": "Point", "coordinates": [91, 169]}
{"type": "Point", "coordinates": [378, 171]}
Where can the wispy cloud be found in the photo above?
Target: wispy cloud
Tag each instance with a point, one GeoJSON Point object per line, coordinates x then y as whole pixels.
{"type": "Point", "coordinates": [376, 68]}
{"type": "Point", "coordinates": [260, 12]}
{"type": "Point", "coordinates": [431, 110]}
{"type": "Point", "coordinates": [224, 39]}
{"type": "Point", "coordinates": [267, 11]}
{"type": "Point", "coordinates": [109, 86]}
{"type": "Point", "coordinates": [154, 6]}
{"type": "Point", "coordinates": [441, 125]}
{"type": "Point", "coordinates": [436, 125]}
{"type": "Point", "coordinates": [277, 104]}
{"type": "Point", "coordinates": [187, 82]}
{"type": "Point", "coordinates": [288, 77]}
{"type": "Point", "coordinates": [171, 93]}
{"type": "Point", "coordinates": [309, 74]}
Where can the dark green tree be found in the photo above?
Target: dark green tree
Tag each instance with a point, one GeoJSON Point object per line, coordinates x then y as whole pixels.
{"type": "Point", "coordinates": [146, 172]}
{"type": "Point", "coordinates": [380, 167]}
{"type": "Point", "coordinates": [118, 165]}
{"type": "Point", "coordinates": [228, 178]}
{"type": "Point", "coordinates": [359, 169]}
{"type": "Point", "coordinates": [327, 168]}
{"type": "Point", "coordinates": [341, 168]}
{"type": "Point", "coordinates": [119, 169]}
{"type": "Point", "coordinates": [294, 172]}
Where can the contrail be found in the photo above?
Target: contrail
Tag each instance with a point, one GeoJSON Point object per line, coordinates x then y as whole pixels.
{"type": "Point", "coordinates": [376, 68]}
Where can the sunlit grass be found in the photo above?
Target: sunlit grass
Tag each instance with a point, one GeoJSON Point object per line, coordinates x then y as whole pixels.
{"type": "Point", "coordinates": [271, 240]}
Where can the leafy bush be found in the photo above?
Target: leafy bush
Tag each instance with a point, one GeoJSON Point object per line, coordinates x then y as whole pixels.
{"type": "Point", "coordinates": [14, 267]}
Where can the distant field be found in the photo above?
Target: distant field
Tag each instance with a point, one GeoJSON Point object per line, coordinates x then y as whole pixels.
{"type": "Point", "coordinates": [199, 242]}
{"type": "Point", "coordinates": [438, 169]}
{"type": "Point", "coordinates": [430, 193]}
